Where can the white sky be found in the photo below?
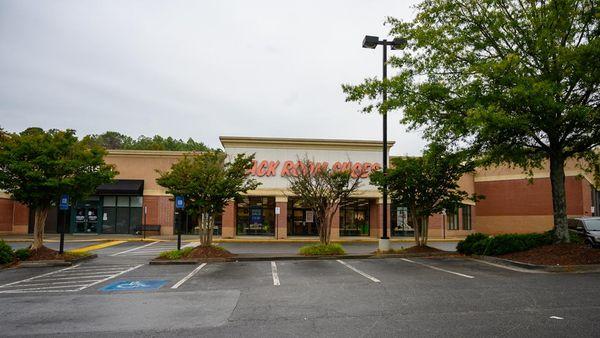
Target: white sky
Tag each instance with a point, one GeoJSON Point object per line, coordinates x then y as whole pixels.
{"type": "Point", "coordinates": [194, 68]}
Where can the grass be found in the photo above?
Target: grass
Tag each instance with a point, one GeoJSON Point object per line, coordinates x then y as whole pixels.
{"type": "Point", "coordinates": [322, 249]}
{"type": "Point", "coordinates": [70, 255]}
{"type": "Point", "coordinates": [175, 254]}
{"type": "Point", "coordinates": [390, 251]}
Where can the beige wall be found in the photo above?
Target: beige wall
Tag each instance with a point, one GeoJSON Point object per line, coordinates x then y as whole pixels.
{"type": "Point", "coordinates": [138, 165]}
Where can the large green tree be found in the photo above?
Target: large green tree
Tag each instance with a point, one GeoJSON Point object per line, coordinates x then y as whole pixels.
{"type": "Point", "coordinates": [37, 167]}
{"type": "Point", "coordinates": [116, 140]}
{"type": "Point", "coordinates": [514, 81]}
{"type": "Point", "coordinates": [208, 181]}
{"type": "Point", "coordinates": [323, 190]}
{"type": "Point", "coordinates": [427, 185]}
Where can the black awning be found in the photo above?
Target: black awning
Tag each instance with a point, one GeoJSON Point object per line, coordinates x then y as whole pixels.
{"type": "Point", "coordinates": [122, 187]}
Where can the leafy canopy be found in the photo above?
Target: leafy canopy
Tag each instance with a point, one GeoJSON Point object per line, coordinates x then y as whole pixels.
{"type": "Point", "coordinates": [208, 181]}
{"type": "Point", "coordinates": [428, 184]}
{"type": "Point", "coordinates": [38, 166]}
{"type": "Point", "coordinates": [116, 140]}
{"type": "Point", "coordinates": [517, 81]}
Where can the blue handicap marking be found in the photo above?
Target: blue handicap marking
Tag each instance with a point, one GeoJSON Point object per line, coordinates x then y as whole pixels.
{"type": "Point", "coordinates": [134, 285]}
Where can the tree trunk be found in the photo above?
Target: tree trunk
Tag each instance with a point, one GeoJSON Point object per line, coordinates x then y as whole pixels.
{"type": "Point", "coordinates": [205, 225]}
{"type": "Point", "coordinates": [559, 198]}
{"type": "Point", "coordinates": [41, 213]}
{"type": "Point", "coordinates": [415, 221]}
{"type": "Point", "coordinates": [424, 230]}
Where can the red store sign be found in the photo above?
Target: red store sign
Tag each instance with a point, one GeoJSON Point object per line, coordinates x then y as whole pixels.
{"type": "Point", "coordinates": [291, 168]}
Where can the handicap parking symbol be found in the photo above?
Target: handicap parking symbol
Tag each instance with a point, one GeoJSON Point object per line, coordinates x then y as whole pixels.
{"type": "Point", "coordinates": [135, 285]}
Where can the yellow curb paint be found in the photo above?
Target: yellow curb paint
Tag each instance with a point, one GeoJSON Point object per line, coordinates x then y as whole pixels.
{"type": "Point", "coordinates": [97, 246]}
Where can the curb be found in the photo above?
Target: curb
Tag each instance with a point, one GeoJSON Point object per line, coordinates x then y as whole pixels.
{"type": "Point", "coordinates": [51, 263]}
{"type": "Point", "coordinates": [537, 267]}
{"type": "Point", "coordinates": [261, 258]}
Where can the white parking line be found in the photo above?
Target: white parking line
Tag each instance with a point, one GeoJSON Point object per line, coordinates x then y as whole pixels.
{"type": "Point", "coordinates": [190, 275]}
{"type": "Point", "coordinates": [364, 274]}
{"type": "Point", "coordinates": [134, 249]}
{"type": "Point", "coordinates": [274, 273]}
{"type": "Point", "coordinates": [111, 277]}
{"type": "Point", "coordinates": [40, 276]}
{"type": "Point", "coordinates": [70, 279]}
{"type": "Point", "coordinates": [436, 268]}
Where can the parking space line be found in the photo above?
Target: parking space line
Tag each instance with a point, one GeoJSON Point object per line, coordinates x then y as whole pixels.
{"type": "Point", "coordinates": [364, 274]}
{"type": "Point", "coordinates": [436, 268]}
{"type": "Point", "coordinates": [110, 277]}
{"type": "Point", "coordinates": [274, 273]}
{"type": "Point", "coordinates": [133, 249]}
{"type": "Point", "coordinates": [190, 275]}
{"type": "Point", "coordinates": [40, 276]}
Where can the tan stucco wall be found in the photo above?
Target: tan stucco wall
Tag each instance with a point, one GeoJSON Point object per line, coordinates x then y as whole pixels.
{"type": "Point", "coordinates": [143, 165]}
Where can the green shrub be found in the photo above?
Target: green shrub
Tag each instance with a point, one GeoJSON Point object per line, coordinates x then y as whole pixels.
{"type": "Point", "coordinates": [6, 253]}
{"type": "Point", "coordinates": [22, 254]}
{"type": "Point", "coordinates": [466, 246]}
{"type": "Point", "coordinates": [175, 254]}
{"type": "Point", "coordinates": [480, 244]}
{"type": "Point", "coordinates": [322, 249]}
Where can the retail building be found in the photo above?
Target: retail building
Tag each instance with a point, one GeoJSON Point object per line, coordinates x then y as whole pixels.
{"type": "Point", "coordinates": [512, 204]}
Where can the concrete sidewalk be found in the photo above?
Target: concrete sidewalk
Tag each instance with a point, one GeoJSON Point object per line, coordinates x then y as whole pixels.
{"type": "Point", "coordinates": [239, 239]}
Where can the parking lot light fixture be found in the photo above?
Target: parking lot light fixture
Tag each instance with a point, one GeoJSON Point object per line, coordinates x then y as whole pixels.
{"type": "Point", "coordinates": [397, 43]}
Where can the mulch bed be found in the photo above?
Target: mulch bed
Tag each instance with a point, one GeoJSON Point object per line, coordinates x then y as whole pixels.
{"type": "Point", "coordinates": [47, 254]}
{"type": "Point", "coordinates": [411, 250]}
{"type": "Point", "coordinates": [209, 252]}
{"type": "Point", "coordinates": [557, 254]}
{"type": "Point", "coordinates": [421, 249]}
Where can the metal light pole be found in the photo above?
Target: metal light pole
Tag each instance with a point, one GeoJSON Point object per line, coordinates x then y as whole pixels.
{"type": "Point", "coordinates": [398, 43]}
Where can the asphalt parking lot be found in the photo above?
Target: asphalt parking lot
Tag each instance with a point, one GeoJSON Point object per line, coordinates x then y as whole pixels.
{"type": "Point", "coordinates": [119, 294]}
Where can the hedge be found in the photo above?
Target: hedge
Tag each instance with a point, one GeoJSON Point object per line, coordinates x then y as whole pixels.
{"type": "Point", "coordinates": [481, 244]}
{"type": "Point", "coordinates": [6, 253]}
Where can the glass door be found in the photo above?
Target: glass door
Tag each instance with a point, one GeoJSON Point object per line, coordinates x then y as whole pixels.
{"type": "Point", "coordinates": [86, 218]}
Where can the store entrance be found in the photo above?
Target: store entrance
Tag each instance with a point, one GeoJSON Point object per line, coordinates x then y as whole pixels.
{"type": "Point", "coordinates": [301, 221]}
{"type": "Point", "coordinates": [86, 218]}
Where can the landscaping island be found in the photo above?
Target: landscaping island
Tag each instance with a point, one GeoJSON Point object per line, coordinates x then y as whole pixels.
{"type": "Point", "coordinates": [535, 249]}
{"type": "Point", "coordinates": [41, 257]}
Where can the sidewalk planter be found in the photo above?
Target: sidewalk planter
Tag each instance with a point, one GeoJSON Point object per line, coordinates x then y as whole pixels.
{"type": "Point", "coordinates": [540, 268]}
{"type": "Point", "coordinates": [251, 258]}
{"type": "Point", "coordinates": [49, 263]}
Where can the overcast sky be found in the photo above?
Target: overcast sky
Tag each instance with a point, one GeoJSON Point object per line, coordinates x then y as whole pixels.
{"type": "Point", "coordinates": [194, 68]}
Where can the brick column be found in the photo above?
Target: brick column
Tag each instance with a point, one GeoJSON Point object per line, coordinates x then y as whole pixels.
{"type": "Point", "coordinates": [228, 221]}
{"type": "Point", "coordinates": [281, 202]}
{"type": "Point", "coordinates": [335, 226]}
{"type": "Point", "coordinates": [380, 217]}
{"type": "Point", "coordinates": [374, 219]}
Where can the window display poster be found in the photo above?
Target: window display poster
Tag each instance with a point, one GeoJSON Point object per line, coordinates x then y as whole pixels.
{"type": "Point", "coordinates": [255, 216]}
{"type": "Point", "coordinates": [310, 216]}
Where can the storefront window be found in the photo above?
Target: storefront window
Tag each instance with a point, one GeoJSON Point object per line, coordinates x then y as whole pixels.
{"type": "Point", "coordinates": [121, 214]}
{"type": "Point", "coordinates": [466, 217]}
{"type": "Point", "coordinates": [256, 216]}
{"type": "Point", "coordinates": [453, 219]}
{"type": "Point", "coordinates": [189, 224]}
{"type": "Point", "coordinates": [400, 224]}
{"type": "Point", "coordinates": [301, 220]}
{"type": "Point", "coordinates": [354, 218]}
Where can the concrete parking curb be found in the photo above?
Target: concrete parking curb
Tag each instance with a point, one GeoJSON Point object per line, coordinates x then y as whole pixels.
{"type": "Point", "coordinates": [258, 258]}
{"type": "Point", "coordinates": [536, 267]}
{"type": "Point", "coordinates": [51, 263]}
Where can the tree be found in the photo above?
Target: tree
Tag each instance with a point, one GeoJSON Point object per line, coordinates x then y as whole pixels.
{"type": "Point", "coordinates": [426, 185]}
{"type": "Point", "coordinates": [322, 190]}
{"type": "Point", "coordinates": [116, 140]}
{"type": "Point", "coordinates": [514, 81]}
{"type": "Point", "coordinates": [110, 140]}
{"type": "Point", "coordinates": [208, 182]}
{"type": "Point", "coordinates": [37, 167]}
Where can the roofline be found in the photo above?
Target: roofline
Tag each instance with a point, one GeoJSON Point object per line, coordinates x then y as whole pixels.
{"type": "Point", "coordinates": [167, 153]}
{"type": "Point", "coordinates": [247, 142]}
